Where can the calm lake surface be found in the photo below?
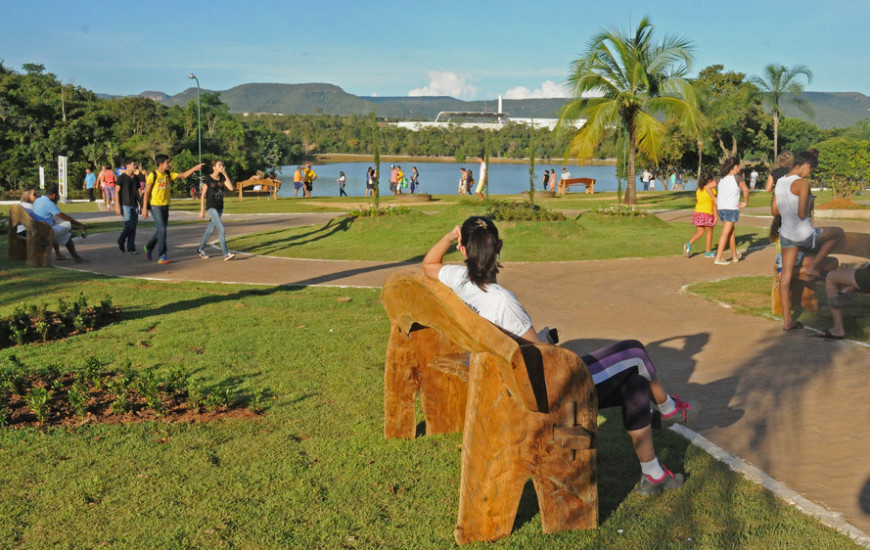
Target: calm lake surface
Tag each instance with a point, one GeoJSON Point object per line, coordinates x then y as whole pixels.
{"type": "Point", "coordinates": [442, 178]}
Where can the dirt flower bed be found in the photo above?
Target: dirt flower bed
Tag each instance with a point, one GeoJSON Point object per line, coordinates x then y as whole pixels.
{"type": "Point", "coordinates": [841, 204]}
{"type": "Point", "coordinates": [91, 394]}
{"type": "Point", "coordinates": [39, 324]}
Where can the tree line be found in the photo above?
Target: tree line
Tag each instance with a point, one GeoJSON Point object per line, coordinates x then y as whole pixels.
{"type": "Point", "coordinates": [41, 118]}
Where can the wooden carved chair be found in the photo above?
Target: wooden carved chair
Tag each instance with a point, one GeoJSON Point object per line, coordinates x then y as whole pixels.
{"type": "Point", "coordinates": [525, 411]}
{"type": "Point", "coordinates": [35, 246]}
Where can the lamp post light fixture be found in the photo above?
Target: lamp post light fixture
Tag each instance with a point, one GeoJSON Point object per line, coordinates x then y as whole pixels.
{"type": "Point", "coordinates": [198, 122]}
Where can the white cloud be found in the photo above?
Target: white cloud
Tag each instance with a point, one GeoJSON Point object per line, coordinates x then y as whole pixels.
{"type": "Point", "coordinates": [446, 83]}
{"type": "Point", "coordinates": [547, 89]}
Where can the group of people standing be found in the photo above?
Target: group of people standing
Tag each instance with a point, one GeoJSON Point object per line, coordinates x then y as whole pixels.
{"type": "Point", "coordinates": [552, 181]}
{"type": "Point", "coordinates": [673, 180]}
{"type": "Point", "coordinates": [399, 180]}
{"type": "Point", "coordinates": [304, 178]}
{"type": "Point", "coordinates": [467, 183]}
{"type": "Point", "coordinates": [105, 182]}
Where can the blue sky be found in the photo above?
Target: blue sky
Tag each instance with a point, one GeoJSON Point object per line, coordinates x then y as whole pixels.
{"type": "Point", "coordinates": [467, 49]}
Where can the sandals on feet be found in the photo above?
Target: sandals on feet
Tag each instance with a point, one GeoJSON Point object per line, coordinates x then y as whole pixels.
{"type": "Point", "coordinates": [795, 326]}
{"type": "Point", "coordinates": [827, 334]}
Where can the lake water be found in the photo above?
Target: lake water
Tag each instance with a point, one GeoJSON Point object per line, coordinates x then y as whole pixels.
{"type": "Point", "coordinates": [442, 178]}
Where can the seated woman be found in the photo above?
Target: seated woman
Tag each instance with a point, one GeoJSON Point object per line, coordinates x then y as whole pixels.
{"type": "Point", "coordinates": [839, 282]}
{"type": "Point", "coordinates": [623, 373]}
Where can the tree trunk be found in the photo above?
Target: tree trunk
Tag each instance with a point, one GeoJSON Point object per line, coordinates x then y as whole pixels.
{"type": "Point", "coordinates": [630, 182]}
{"type": "Point", "coordinates": [775, 134]}
{"type": "Point", "coordinates": [700, 157]}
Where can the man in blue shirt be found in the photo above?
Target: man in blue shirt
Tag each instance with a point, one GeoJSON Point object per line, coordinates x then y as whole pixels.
{"type": "Point", "coordinates": [90, 180]}
{"type": "Point", "coordinates": [45, 210]}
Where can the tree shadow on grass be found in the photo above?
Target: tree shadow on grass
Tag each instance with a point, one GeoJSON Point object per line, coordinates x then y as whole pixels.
{"type": "Point", "coordinates": [330, 228]}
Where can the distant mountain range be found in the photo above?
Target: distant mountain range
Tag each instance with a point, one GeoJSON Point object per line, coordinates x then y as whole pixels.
{"type": "Point", "coordinates": [831, 109]}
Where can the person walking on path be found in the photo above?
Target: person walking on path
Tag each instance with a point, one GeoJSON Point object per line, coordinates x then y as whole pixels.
{"type": "Point", "coordinates": [729, 204]}
{"type": "Point", "coordinates": [370, 182]}
{"type": "Point", "coordinates": [127, 205]}
{"type": "Point", "coordinates": [90, 181]}
{"type": "Point", "coordinates": [481, 182]}
{"type": "Point", "coordinates": [157, 197]}
{"type": "Point", "coordinates": [212, 202]}
{"type": "Point", "coordinates": [623, 373]}
{"type": "Point", "coordinates": [545, 181]}
{"type": "Point", "coordinates": [793, 202]}
{"type": "Point", "coordinates": [706, 215]}
{"type": "Point", "coordinates": [400, 180]}
{"type": "Point", "coordinates": [393, 179]}
{"type": "Point", "coordinates": [342, 180]}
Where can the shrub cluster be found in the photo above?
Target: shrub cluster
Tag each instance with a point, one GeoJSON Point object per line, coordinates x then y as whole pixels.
{"type": "Point", "coordinates": [621, 210]}
{"type": "Point", "coordinates": [521, 211]}
{"type": "Point", "coordinates": [52, 394]}
{"type": "Point", "coordinates": [37, 323]}
{"type": "Point", "coordinates": [376, 212]}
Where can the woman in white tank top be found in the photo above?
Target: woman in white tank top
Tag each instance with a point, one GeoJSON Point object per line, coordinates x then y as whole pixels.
{"type": "Point", "coordinates": [792, 201]}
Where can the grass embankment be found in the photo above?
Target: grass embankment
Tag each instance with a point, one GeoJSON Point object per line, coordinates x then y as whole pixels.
{"type": "Point", "coordinates": [407, 237]}
{"type": "Point", "coordinates": [752, 295]}
{"type": "Point", "coordinates": [315, 471]}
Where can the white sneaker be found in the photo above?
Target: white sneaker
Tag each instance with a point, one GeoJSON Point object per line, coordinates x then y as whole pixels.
{"type": "Point", "coordinates": [201, 253]}
{"type": "Point", "coordinates": [721, 262]}
{"type": "Point", "coordinates": [229, 257]}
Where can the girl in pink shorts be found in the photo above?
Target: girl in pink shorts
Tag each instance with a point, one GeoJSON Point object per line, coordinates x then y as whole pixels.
{"type": "Point", "coordinates": [705, 216]}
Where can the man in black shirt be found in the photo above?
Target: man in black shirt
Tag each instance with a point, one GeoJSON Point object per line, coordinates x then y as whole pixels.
{"type": "Point", "coordinates": [128, 205]}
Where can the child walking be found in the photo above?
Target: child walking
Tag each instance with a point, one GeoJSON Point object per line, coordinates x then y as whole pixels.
{"type": "Point", "coordinates": [706, 214]}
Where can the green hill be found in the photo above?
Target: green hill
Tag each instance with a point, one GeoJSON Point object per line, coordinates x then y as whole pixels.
{"type": "Point", "coordinates": [830, 110]}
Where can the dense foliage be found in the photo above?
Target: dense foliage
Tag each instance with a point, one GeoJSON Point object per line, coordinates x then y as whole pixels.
{"type": "Point", "coordinates": [844, 164]}
{"type": "Point", "coordinates": [41, 118]}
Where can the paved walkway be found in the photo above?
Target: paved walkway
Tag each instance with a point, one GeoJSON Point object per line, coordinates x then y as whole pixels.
{"type": "Point", "coordinates": [794, 405]}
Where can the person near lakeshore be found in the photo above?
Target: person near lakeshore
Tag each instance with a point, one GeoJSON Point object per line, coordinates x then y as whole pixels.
{"type": "Point", "coordinates": [462, 182]}
{"type": "Point", "coordinates": [753, 179]}
{"type": "Point", "coordinates": [679, 182]}
{"type": "Point", "coordinates": [370, 182]}
{"type": "Point", "coordinates": [45, 210]}
{"type": "Point", "coordinates": [566, 175]}
{"type": "Point", "coordinates": [553, 179]}
{"type": "Point", "coordinates": [157, 197]}
{"type": "Point", "coordinates": [792, 201]}
{"type": "Point", "coordinates": [309, 177]}
{"type": "Point", "coordinates": [212, 202]}
{"type": "Point", "coordinates": [469, 182]}
{"type": "Point", "coordinates": [415, 179]}
{"type": "Point", "coordinates": [400, 180]}
{"type": "Point", "coordinates": [673, 181]}
{"type": "Point", "coordinates": [784, 163]}
{"type": "Point", "coordinates": [645, 177]}
{"type": "Point", "coordinates": [546, 180]}
{"type": "Point", "coordinates": [623, 373]}
{"type": "Point", "coordinates": [298, 178]}
{"type": "Point", "coordinates": [128, 206]}
{"type": "Point", "coordinates": [342, 181]}
{"type": "Point", "coordinates": [481, 175]}
{"type": "Point", "coordinates": [729, 204]}
{"type": "Point", "coordinates": [652, 181]}
{"type": "Point", "coordinates": [393, 179]}
{"type": "Point", "coordinates": [706, 214]}
{"type": "Point", "coordinates": [838, 283]}
{"type": "Point", "coordinates": [89, 183]}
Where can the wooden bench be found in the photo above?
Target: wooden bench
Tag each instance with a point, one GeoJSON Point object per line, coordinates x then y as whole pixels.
{"type": "Point", "coordinates": [525, 411]}
{"type": "Point", "coordinates": [36, 244]}
{"type": "Point", "coordinates": [564, 185]}
{"type": "Point", "coordinates": [266, 187]}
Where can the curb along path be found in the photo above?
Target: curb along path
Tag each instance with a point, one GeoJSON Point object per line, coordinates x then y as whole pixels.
{"type": "Point", "coordinates": [790, 404]}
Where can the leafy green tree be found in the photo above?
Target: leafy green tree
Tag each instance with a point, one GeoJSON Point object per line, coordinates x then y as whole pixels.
{"type": "Point", "coordinates": [844, 165]}
{"type": "Point", "coordinates": [778, 83]}
{"type": "Point", "coordinates": [638, 80]}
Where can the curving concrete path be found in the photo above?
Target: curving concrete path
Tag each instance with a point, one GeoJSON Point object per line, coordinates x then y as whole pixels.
{"type": "Point", "coordinates": [794, 405]}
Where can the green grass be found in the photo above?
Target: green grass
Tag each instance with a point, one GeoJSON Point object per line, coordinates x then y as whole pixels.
{"type": "Point", "coordinates": [408, 237]}
{"type": "Point", "coordinates": [315, 471]}
{"type": "Point", "coordinates": [752, 295]}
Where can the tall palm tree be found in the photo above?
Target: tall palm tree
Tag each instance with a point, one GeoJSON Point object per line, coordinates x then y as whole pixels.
{"type": "Point", "coordinates": [636, 81]}
{"type": "Point", "coordinates": [777, 82]}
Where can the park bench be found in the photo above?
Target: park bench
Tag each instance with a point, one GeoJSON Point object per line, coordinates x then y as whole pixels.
{"type": "Point", "coordinates": [35, 245]}
{"type": "Point", "coordinates": [524, 410]}
{"type": "Point", "coordinates": [564, 185]}
{"type": "Point", "coordinates": [259, 187]}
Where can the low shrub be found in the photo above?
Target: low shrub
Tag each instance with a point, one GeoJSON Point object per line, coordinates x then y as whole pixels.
{"type": "Point", "coordinates": [37, 323]}
{"type": "Point", "coordinates": [521, 211]}
{"type": "Point", "coordinates": [373, 212]}
{"type": "Point", "coordinates": [621, 210]}
{"type": "Point", "coordinates": [841, 204]}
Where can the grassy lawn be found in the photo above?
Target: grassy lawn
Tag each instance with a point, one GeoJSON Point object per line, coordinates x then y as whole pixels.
{"type": "Point", "coordinates": [752, 295]}
{"type": "Point", "coordinates": [315, 471]}
{"type": "Point", "coordinates": [407, 237]}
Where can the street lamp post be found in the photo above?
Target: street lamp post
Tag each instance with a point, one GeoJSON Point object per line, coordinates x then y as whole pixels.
{"type": "Point", "coordinates": [198, 122]}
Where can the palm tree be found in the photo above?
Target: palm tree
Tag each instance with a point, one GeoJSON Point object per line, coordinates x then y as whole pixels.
{"type": "Point", "coordinates": [778, 81]}
{"type": "Point", "coordinates": [635, 81]}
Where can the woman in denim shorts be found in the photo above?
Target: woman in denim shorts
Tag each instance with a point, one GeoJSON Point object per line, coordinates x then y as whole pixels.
{"type": "Point", "coordinates": [728, 201]}
{"type": "Point", "coordinates": [792, 201]}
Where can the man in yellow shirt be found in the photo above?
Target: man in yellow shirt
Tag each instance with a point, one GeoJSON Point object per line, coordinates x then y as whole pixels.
{"type": "Point", "coordinates": [158, 195]}
{"type": "Point", "coordinates": [298, 178]}
{"type": "Point", "coordinates": [310, 177]}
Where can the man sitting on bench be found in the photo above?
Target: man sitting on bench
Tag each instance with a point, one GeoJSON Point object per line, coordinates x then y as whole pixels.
{"type": "Point", "coordinates": [45, 210]}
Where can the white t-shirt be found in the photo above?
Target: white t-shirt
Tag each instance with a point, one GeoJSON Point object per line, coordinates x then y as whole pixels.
{"type": "Point", "coordinates": [497, 304]}
{"type": "Point", "coordinates": [566, 175]}
{"type": "Point", "coordinates": [482, 173]}
{"type": "Point", "coordinates": [729, 193]}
